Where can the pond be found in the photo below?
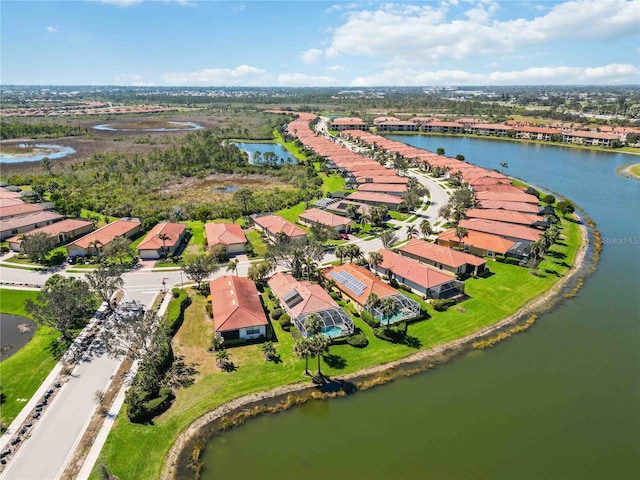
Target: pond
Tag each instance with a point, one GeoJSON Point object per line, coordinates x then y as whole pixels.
{"type": "Point", "coordinates": [173, 127]}
{"type": "Point", "coordinates": [276, 153]}
{"type": "Point", "coordinates": [15, 332]}
{"type": "Point", "coordinates": [559, 401]}
{"type": "Point", "coordinates": [28, 152]}
{"type": "Point", "coordinates": [227, 189]}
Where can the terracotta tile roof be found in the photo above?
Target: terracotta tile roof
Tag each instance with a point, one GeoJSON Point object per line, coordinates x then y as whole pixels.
{"type": "Point", "coordinates": [502, 188]}
{"type": "Point", "coordinates": [371, 282]}
{"type": "Point", "coordinates": [172, 230]}
{"type": "Point", "coordinates": [325, 218]}
{"type": "Point", "coordinates": [347, 121]}
{"type": "Point", "coordinates": [18, 209]}
{"type": "Point", "coordinates": [374, 197]}
{"type": "Point", "coordinates": [275, 224]}
{"type": "Point", "coordinates": [385, 119]}
{"type": "Point", "coordinates": [508, 197]}
{"type": "Point", "coordinates": [4, 193]}
{"type": "Point", "coordinates": [107, 233]}
{"type": "Point", "coordinates": [224, 233]}
{"type": "Point", "coordinates": [483, 241]}
{"type": "Point", "coordinates": [9, 202]}
{"type": "Point", "coordinates": [313, 297]}
{"type": "Point", "coordinates": [382, 187]}
{"type": "Point", "coordinates": [416, 272]}
{"type": "Point", "coordinates": [236, 304]}
{"type": "Point", "coordinates": [29, 219]}
{"type": "Point", "coordinates": [438, 253]}
{"type": "Point", "coordinates": [63, 226]}
{"type": "Point", "coordinates": [508, 216]}
{"type": "Point", "coordinates": [512, 206]}
{"type": "Point", "coordinates": [382, 179]}
{"type": "Point", "coordinates": [501, 229]}
{"type": "Point", "coordinates": [598, 135]}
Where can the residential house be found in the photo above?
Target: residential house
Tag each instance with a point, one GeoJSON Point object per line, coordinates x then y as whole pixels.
{"type": "Point", "coordinates": [523, 207]}
{"type": "Point", "coordinates": [357, 284]}
{"type": "Point", "coordinates": [229, 235]}
{"type": "Point", "coordinates": [164, 239]}
{"type": "Point", "coordinates": [314, 216]}
{"type": "Point", "coordinates": [237, 309]}
{"type": "Point", "coordinates": [9, 210]}
{"type": "Point", "coordinates": [373, 198]}
{"type": "Point", "coordinates": [508, 197]}
{"type": "Point", "coordinates": [443, 258]}
{"type": "Point", "coordinates": [62, 232]}
{"type": "Point", "coordinates": [509, 216]}
{"type": "Point", "coordinates": [301, 299]}
{"type": "Point", "coordinates": [477, 243]}
{"type": "Point", "coordinates": [272, 225]}
{"type": "Point", "coordinates": [25, 223]}
{"type": "Point", "coordinates": [421, 278]}
{"type": "Point", "coordinates": [510, 231]}
{"type": "Point", "coordinates": [93, 243]}
{"type": "Point", "coordinates": [346, 123]}
{"type": "Point", "coordinates": [395, 189]}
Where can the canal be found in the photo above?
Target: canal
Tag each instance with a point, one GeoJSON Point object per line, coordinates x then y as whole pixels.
{"type": "Point", "coordinates": [559, 401]}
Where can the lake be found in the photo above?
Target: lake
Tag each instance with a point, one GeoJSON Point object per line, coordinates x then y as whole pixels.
{"type": "Point", "coordinates": [559, 401]}
{"type": "Point", "coordinates": [179, 127]}
{"type": "Point", "coordinates": [15, 332]}
{"type": "Point", "coordinates": [36, 152]}
{"type": "Point", "coordinates": [282, 154]}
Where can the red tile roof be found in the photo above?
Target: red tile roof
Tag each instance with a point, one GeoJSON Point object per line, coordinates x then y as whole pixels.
{"type": "Point", "coordinates": [382, 179]}
{"type": "Point", "coordinates": [483, 241]}
{"type": "Point", "coordinates": [314, 297]}
{"type": "Point", "coordinates": [347, 121]}
{"type": "Point", "coordinates": [29, 219]}
{"type": "Point", "coordinates": [63, 226]}
{"type": "Point", "coordinates": [501, 229]}
{"type": "Point", "coordinates": [325, 218]}
{"type": "Point", "coordinates": [372, 283]}
{"type": "Point", "coordinates": [508, 197]}
{"type": "Point", "coordinates": [107, 233]}
{"type": "Point", "coordinates": [512, 206]}
{"type": "Point", "coordinates": [9, 202]}
{"type": "Point", "coordinates": [382, 187]}
{"type": "Point", "coordinates": [374, 197]}
{"type": "Point", "coordinates": [508, 216]}
{"type": "Point", "coordinates": [224, 233]}
{"type": "Point", "coordinates": [236, 304]}
{"type": "Point", "coordinates": [19, 209]}
{"type": "Point", "coordinates": [416, 272]}
{"type": "Point", "coordinates": [438, 253]}
{"type": "Point", "coordinates": [275, 224]}
{"type": "Point", "coordinates": [172, 230]}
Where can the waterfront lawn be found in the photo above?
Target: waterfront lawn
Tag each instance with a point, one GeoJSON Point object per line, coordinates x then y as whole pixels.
{"type": "Point", "coordinates": [138, 451]}
{"type": "Point", "coordinates": [23, 372]}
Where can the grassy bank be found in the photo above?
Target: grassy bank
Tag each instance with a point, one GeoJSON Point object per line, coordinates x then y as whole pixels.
{"type": "Point", "coordinates": [23, 372]}
{"type": "Point", "coordinates": [138, 451]}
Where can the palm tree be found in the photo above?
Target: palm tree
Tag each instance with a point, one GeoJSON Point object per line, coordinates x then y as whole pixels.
{"type": "Point", "coordinates": [318, 345]}
{"type": "Point", "coordinates": [341, 252]}
{"type": "Point", "coordinates": [233, 265]}
{"type": "Point", "coordinates": [222, 358]}
{"type": "Point", "coordinates": [96, 244]}
{"type": "Point", "coordinates": [352, 210]}
{"type": "Point", "coordinates": [309, 266]}
{"type": "Point", "coordinates": [461, 233]}
{"type": "Point", "coordinates": [353, 251]}
{"type": "Point", "coordinates": [269, 351]}
{"type": "Point", "coordinates": [313, 324]}
{"type": "Point", "coordinates": [412, 231]}
{"type": "Point", "coordinates": [375, 259]}
{"type": "Point", "coordinates": [388, 238]}
{"type": "Point", "coordinates": [373, 302]}
{"type": "Point", "coordinates": [504, 165]}
{"type": "Point", "coordinates": [390, 308]}
{"type": "Point", "coordinates": [426, 228]}
{"type": "Point", "coordinates": [302, 349]}
{"type": "Point", "coordinates": [164, 237]}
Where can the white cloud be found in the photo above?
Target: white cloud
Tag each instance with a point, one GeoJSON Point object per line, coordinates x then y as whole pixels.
{"type": "Point", "coordinates": [52, 30]}
{"type": "Point", "coordinates": [311, 56]}
{"type": "Point", "coordinates": [424, 34]}
{"type": "Point", "coordinates": [245, 75]}
{"type": "Point", "coordinates": [552, 75]}
{"type": "Point", "coordinates": [336, 68]}
{"type": "Point", "coordinates": [303, 80]}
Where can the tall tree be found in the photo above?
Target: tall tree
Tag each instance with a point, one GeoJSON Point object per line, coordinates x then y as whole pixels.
{"type": "Point", "coordinates": [388, 238]}
{"type": "Point", "coordinates": [105, 281]}
{"type": "Point", "coordinates": [426, 228]}
{"type": "Point", "coordinates": [119, 249]}
{"type": "Point", "coordinates": [37, 245]}
{"type": "Point", "coordinates": [313, 324]}
{"type": "Point", "coordinates": [64, 303]}
{"type": "Point", "coordinates": [412, 232]}
{"type": "Point", "coordinates": [352, 210]}
{"type": "Point", "coordinates": [258, 272]}
{"type": "Point", "coordinates": [232, 266]}
{"type": "Point", "coordinates": [200, 267]}
{"type": "Point", "coordinates": [164, 237]}
{"type": "Point", "coordinates": [292, 253]}
{"type": "Point", "coordinates": [243, 198]}
{"type": "Point", "coordinates": [461, 233]}
{"type": "Point", "coordinates": [302, 349]}
{"type": "Point", "coordinates": [375, 259]}
{"type": "Point", "coordinates": [390, 308]}
{"type": "Point", "coordinates": [318, 345]}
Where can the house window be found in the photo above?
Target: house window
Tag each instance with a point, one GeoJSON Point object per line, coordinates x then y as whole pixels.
{"type": "Point", "coordinates": [253, 330]}
{"type": "Point", "coordinates": [490, 253]}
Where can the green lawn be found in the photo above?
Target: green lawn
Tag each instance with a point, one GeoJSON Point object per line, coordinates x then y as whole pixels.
{"type": "Point", "coordinates": [23, 372]}
{"type": "Point", "coordinates": [635, 170]}
{"type": "Point", "coordinates": [138, 451]}
{"type": "Point", "coordinates": [292, 213]}
{"type": "Point", "coordinates": [291, 146]}
{"type": "Point", "coordinates": [259, 247]}
{"type": "Point", "coordinates": [331, 183]}
{"type": "Point", "coordinates": [401, 217]}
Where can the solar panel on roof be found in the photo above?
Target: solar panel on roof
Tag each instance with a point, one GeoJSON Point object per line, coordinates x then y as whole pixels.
{"type": "Point", "coordinates": [349, 282]}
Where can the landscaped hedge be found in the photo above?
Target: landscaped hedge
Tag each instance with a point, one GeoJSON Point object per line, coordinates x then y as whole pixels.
{"type": "Point", "coordinates": [277, 313]}
{"type": "Point", "coordinates": [358, 340]}
{"type": "Point", "coordinates": [394, 333]}
{"type": "Point", "coordinates": [442, 304]}
{"type": "Point", "coordinates": [372, 321]}
{"type": "Point", "coordinates": [285, 322]}
{"type": "Point", "coordinates": [175, 311]}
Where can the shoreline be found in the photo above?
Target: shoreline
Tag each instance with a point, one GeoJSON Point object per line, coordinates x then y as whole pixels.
{"type": "Point", "coordinates": [627, 172]}
{"type": "Point", "coordinates": [420, 361]}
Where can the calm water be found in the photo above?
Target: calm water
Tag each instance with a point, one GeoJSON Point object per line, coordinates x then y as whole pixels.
{"type": "Point", "coordinates": [15, 332]}
{"type": "Point", "coordinates": [283, 154]}
{"type": "Point", "coordinates": [52, 151]}
{"type": "Point", "coordinates": [560, 401]}
{"type": "Point", "coordinates": [179, 127]}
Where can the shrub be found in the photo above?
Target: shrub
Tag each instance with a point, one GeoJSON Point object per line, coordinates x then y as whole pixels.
{"type": "Point", "coordinates": [372, 321]}
{"type": "Point", "coordinates": [394, 334]}
{"type": "Point", "coordinates": [442, 304]}
{"type": "Point", "coordinates": [394, 283]}
{"type": "Point", "coordinates": [285, 322]}
{"type": "Point", "coordinates": [358, 340]}
{"type": "Point", "coordinates": [277, 313]}
{"type": "Point", "coordinates": [404, 287]}
{"type": "Point", "coordinates": [209, 309]}
{"type": "Point", "coordinates": [335, 295]}
{"type": "Point", "coordinates": [175, 312]}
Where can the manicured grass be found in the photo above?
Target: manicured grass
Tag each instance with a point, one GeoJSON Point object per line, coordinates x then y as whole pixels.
{"type": "Point", "coordinates": [331, 183]}
{"type": "Point", "coordinates": [401, 217]}
{"type": "Point", "coordinates": [196, 243]}
{"type": "Point", "coordinates": [23, 372]}
{"type": "Point", "coordinates": [291, 146]}
{"type": "Point", "coordinates": [292, 213]}
{"type": "Point", "coordinates": [259, 247]}
{"type": "Point", "coordinates": [635, 170]}
{"type": "Point", "coordinates": [138, 451]}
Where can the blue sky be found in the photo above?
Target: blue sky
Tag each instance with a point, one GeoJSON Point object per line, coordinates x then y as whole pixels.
{"type": "Point", "coordinates": [317, 43]}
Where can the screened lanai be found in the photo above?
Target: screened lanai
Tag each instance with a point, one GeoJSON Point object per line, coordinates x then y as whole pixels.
{"type": "Point", "coordinates": [336, 323]}
{"type": "Point", "coordinates": [408, 309]}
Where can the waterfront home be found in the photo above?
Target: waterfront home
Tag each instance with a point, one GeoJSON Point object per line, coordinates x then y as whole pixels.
{"type": "Point", "coordinates": [314, 216]}
{"type": "Point", "coordinates": [510, 231]}
{"type": "Point", "coordinates": [229, 235]}
{"type": "Point", "coordinates": [373, 198]}
{"type": "Point", "coordinates": [508, 197]}
{"type": "Point", "coordinates": [25, 223]}
{"type": "Point", "coordinates": [421, 278]}
{"type": "Point", "coordinates": [382, 179]}
{"type": "Point", "coordinates": [509, 216]}
{"type": "Point", "coordinates": [94, 242]}
{"type": "Point", "coordinates": [397, 126]}
{"type": "Point", "coordinates": [164, 239]}
{"type": "Point", "coordinates": [443, 258]}
{"type": "Point", "coordinates": [523, 207]}
{"type": "Point", "coordinates": [273, 225]}
{"type": "Point", "coordinates": [347, 123]}
{"type": "Point", "coordinates": [590, 138]}
{"type": "Point", "coordinates": [477, 243]}
{"type": "Point", "coordinates": [301, 299]}
{"type": "Point", "coordinates": [357, 284]}
{"type": "Point", "coordinates": [395, 189]}
{"type": "Point", "coordinates": [237, 309]}
{"type": "Point", "coordinates": [61, 232]}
